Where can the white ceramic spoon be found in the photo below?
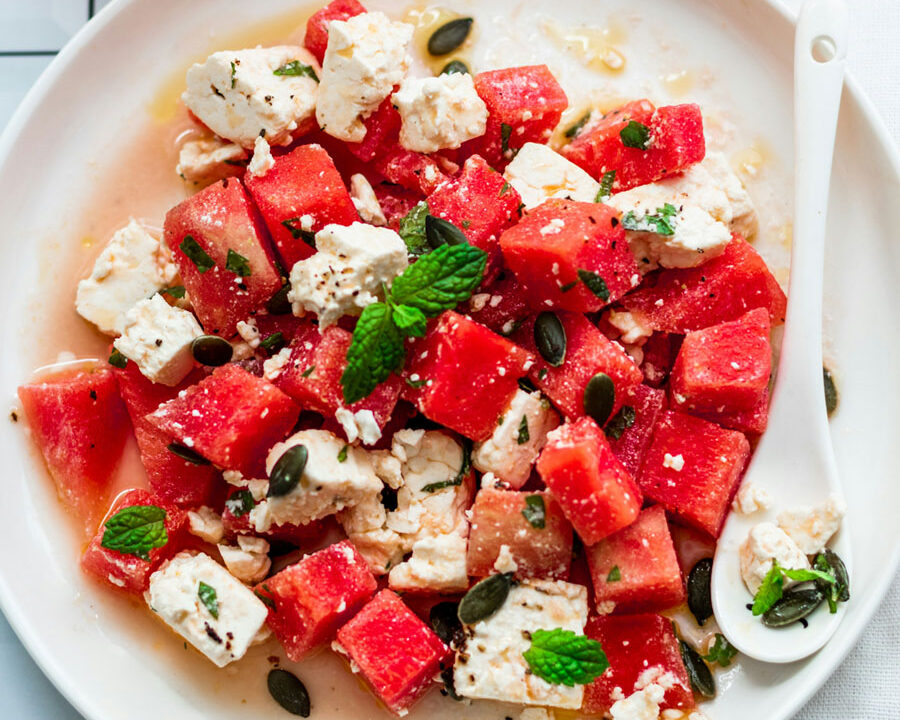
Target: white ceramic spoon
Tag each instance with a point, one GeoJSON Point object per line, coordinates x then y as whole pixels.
{"type": "Point", "coordinates": [794, 461]}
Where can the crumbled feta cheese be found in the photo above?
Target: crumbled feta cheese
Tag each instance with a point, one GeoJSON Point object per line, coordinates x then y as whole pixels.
{"type": "Point", "coordinates": [439, 112]}
{"type": "Point", "coordinates": [206, 524]}
{"type": "Point", "coordinates": [518, 440]}
{"type": "Point", "coordinates": [675, 462]}
{"type": "Point", "coordinates": [634, 326]}
{"type": "Point", "coordinates": [812, 528]}
{"type": "Point", "coordinates": [490, 663]}
{"type": "Point", "coordinates": [238, 96]}
{"type": "Point", "coordinates": [158, 337]}
{"type": "Point", "coordinates": [274, 366]}
{"type": "Point", "coordinates": [505, 562]}
{"type": "Point", "coordinates": [207, 160]}
{"type": "Point", "coordinates": [365, 201]}
{"type": "Point", "coordinates": [743, 214]}
{"type": "Point", "coordinates": [640, 705]}
{"type": "Point", "coordinates": [174, 596]}
{"type": "Point", "coordinates": [365, 58]}
{"type": "Point", "coordinates": [539, 173]}
{"type": "Point", "coordinates": [249, 560]}
{"type": "Point", "coordinates": [751, 499]}
{"type": "Point", "coordinates": [262, 160]}
{"type": "Point", "coordinates": [127, 271]}
{"type": "Point", "coordinates": [347, 272]}
{"type": "Point", "coordinates": [360, 425]}
{"type": "Point", "coordinates": [554, 227]}
{"type": "Point", "coordinates": [249, 332]}
{"type": "Point", "coordinates": [766, 543]}
{"type": "Point", "coordinates": [437, 564]}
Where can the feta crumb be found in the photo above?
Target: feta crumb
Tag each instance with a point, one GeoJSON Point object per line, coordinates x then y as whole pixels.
{"type": "Point", "coordinates": [505, 562]}
{"type": "Point", "coordinates": [360, 425]}
{"type": "Point", "coordinates": [634, 326]}
{"type": "Point", "coordinates": [249, 560]}
{"type": "Point", "coordinates": [766, 543]}
{"type": "Point", "coordinates": [365, 201]}
{"type": "Point", "coordinates": [207, 160]}
{"type": "Point", "coordinates": [675, 462]}
{"type": "Point", "coordinates": [206, 524]}
{"type": "Point", "coordinates": [812, 528]}
{"type": "Point", "coordinates": [751, 499]}
{"type": "Point", "coordinates": [274, 366]}
{"type": "Point", "coordinates": [554, 227]}
{"type": "Point", "coordinates": [539, 173]}
{"type": "Point", "coordinates": [640, 705]}
{"type": "Point", "coordinates": [249, 332]}
{"type": "Point", "coordinates": [262, 160]}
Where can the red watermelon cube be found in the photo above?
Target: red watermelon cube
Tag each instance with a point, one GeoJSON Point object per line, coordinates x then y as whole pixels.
{"type": "Point", "coordinates": [311, 599]}
{"type": "Point", "coordinates": [231, 418]}
{"type": "Point", "coordinates": [204, 232]}
{"type": "Point", "coordinates": [129, 572]}
{"type": "Point", "coordinates": [595, 491]}
{"type": "Point", "coordinates": [409, 169]}
{"type": "Point", "coordinates": [693, 468]}
{"type": "Point", "coordinates": [481, 204]}
{"type": "Point", "coordinates": [316, 39]}
{"type": "Point", "coordinates": [660, 352]}
{"type": "Point", "coordinates": [469, 373]}
{"type": "Point", "coordinates": [629, 432]}
{"type": "Point", "coordinates": [382, 132]}
{"type": "Point", "coordinates": [396, 653]}
{"type": "Point", "coordinates": [395, 201]}
{"type": "Point", "coordinates": [752, 421]}
{"type": "Point", "coordinates": [633, 645]}
{"type": "Point", "coordinates": [80, 425]}
{"type": "Point", "coordinates": [524, 105]}
{"type": "Point", "coordinates": [570, 255]}
{"type": "Point", "coordinates": [675, 142]}
{"type": "Point", "coordinates": [541, 545]}
{"type": "Point", "coordinates": [636, 568]}
{"type": "Point", "coordinates": [299, 196]}
{"type": "Point", "coordinates": [588, 352]}
{"type": "Point", "coordinates": [720, 290]}
{"type": "Point", "coordinates": [499, 305]}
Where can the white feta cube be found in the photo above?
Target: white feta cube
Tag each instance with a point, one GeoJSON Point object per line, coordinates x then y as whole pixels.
{"type": "Point", "coordinates": [634, 326]}
{"type": "Point", "coordinates": [206, 524]}
{"type": "Point", "coordinates": [365, 201]}
{"type": "Point", "coordinates": [640, 705]}
{"type": "Point", "coordinates": [347, 272]}
{"type": "Point", "coordinates": [517, 441]}
{"type": "Point", "coordinates": [438, 564]}
{"type": "Point", "coordinates": [439, 112]}
{"type": "Point", "coordinates": [490, 663]}
{"type": "Point", "coordinates": [365, 58]}
{"type": "Point", "coordinates": [130, 268]}
{"type": "Point", "coordinates": [766, 543]}
{"type": "Point", "coordinates": [262, 160]}
{"type": "Point", "coordinates": [812, 528]}
{"type": "Point", "coordinates": [539, 173]}
{"type": "Point", "coordinates": [158, 337]}
{"type": "Point", "coordinates": [360, 425]}
{"type": "Point", "coordinates": [249, 560]}
{"type": "Point", "coordinates": [223, 636]}
{"type": "Point", "coordinates": [238, 96]}
{"type": "Point", "coordinates": [207, 160]}
{"type": "Point", "coordinates": [751, 499]}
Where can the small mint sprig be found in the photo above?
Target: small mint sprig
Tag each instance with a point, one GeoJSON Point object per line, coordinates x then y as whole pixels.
{"type": "Point", "coordinates": [436, 282]}
{"type": "Point", "coordinates": [772, 587]}
{"type": "Point", "coordinates": [563, 658]}
{"type": "Point", "coordinates": [136, 530]}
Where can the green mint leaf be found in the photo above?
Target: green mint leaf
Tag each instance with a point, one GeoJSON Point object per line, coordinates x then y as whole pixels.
{"type": "Point", "coordinates": [298, 233]}
{"type": "Point", "coordinates": [240, 503]}
{"type": "Point", "coordinates": [342, 454]}
{"type": "Point", "coordinates": [505, 188]}
{"type": "Point", "coordinates": [272, 342]}
{"type": "Point", "coordinates": [440, 280]}
{"type": "Point", "coordinates": [620, 422]}
{"type": "Point", "coordinates": [574, 130]}
{"type": "Point", "coordinates": [233, 73]}
{"type": "Point", "coordinates": [237, 263]}
{"type": "Point", "coordinates": [196, 254]}
{"type": "Point", "coordinates": [594, 283]}
{"type": "Point", "coordinates": [805, 575]}
{"type": "Point", "coordinates": [117, 359]}
{"type": "Point", "coordinates": [606, 183]}
{"type": "Point", "coordinates": [410, 320]}
{"type": "Point", "coordinates": [563, 658]}
{"type": "Point", "coordinates": [721, 652]}
{"type": "Point", "coordinates": [770, 591]}
{"type": "Point", "coordinates": [635, 135]}
{"type": "Point", "coordinates": [375, 351]}
{"type": "Point", "coordinates": [524, 436]}
{"type": "Point", "coordinates": [615, 575]}
{"type": "Point", "coordinates": [442, 232]}
{"type": "Point", "coordinates": [568, 286]}
{"type": "Point", "coordinates": [309, 371]}
{"type": "Point", "coordinates": [662, 222]}
{"type": "Point", "coordinates": [505, 134]}
{"type": "Point", "coordinates": [416, 384]}
{"type": "Point", "coordinates": [412, 230]}
{"type": "Point", "coordinates": [295, 68]}
{"type": "Point", "coordinates": [535, 511]}
{"type": "Point", "coordinates": [208, 597]}
{"type": "Point", "coordinates": [136, 530]}
{"type": "Point", "coordinates": [464, 469]}
{"type": "Point", "coordinates": [176, 291]}
{"type": "Point", "coordinates": [266, 600]}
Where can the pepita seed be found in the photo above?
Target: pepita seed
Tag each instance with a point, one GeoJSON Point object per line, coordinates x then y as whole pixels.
{"type": "Point", "coordinates": [456, 66]}
{"type": "Point", "coordinates": [484, 598]}
{"type": "Point", "coordinates": [840, 575]}
{"type": "Point", "coordinates": [831, 393]}
{"type": "Point", "coordinates": [288, 471]}
{"type": "Point", "coordinates": [185, 453]}
{"type": "Point", "coordinates": [600, 398]}
{"type": "Point", "coordinates": [442, 232]}
{"type": "Point", "coordinates": [794, 605]}
{"type": "Point", "coordinates": [550, 338]}
{"type": "Point", "coordinates": [449, 36]}
{"type": "Point", "coordinates": [699, 597]}
{"type": "Point", "coordinates": [289, 692]}
{"type": "Point", "coordinates": [279, 304]}
{"type": "Point", "coordinates": [445, 621]}
{"type": "Point", "coordinates": [211, 350]}
{"type": "Point", "coordinates": [698, 671]}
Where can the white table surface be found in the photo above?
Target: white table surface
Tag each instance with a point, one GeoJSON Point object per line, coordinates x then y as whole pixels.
{"type": "Point", "coordinates": [864, 687]}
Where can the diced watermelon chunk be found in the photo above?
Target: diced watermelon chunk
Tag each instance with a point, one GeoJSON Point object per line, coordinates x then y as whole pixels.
{"type": "Point", "coordinates": [396, 653]}
{"type": "Point", "coordinates": [218, 221]}
{"type": "Point", "coordinates": [720, 290]}
{"type": "Point", "coordinates": [172, 479]}
{"type": "Point", "coordinates": [313, 598]}
{"type": "Point", "coordinates": [80, 425]}
{"type": "Point", "coordinates": [691, 546]}
{"type": "Point", "coordinates": [637, 418]}
{"type": "Point", "coordinates": [470, 374]}
{"type": "Point", "coordinates": [711, 461]}
{"type": "Point", "coordinates": [129, 572]}
{"type": "Point", "coordinates": [312, 375]}
{"type": "Point", "coordinates": [676, 142]}
{"type": "Point", "coordinates": [542, 548]}
{"type": "Point", "coordinates": [382, 132]}
{"type": "Point", "coordinates": [634, 644]}
{"type": "Point", "coordinates": [725, 367]}
{"type": "Point", "coordinates": [236, 520]}
{"type": "Point", "coordinates": [660, 352]}
{"type": "Point", "coordinates": [524, 105]}
{"type": "Point", "coordinates": [231, 418]}
{"type": "Point", "coordinates": [595, 491]}
{"type": "Point", "coordinates": [481, 204]}
{"type": "Point", "coordinates": [570, 255]}
{"type": "Point", "coordinates": [299, 196]}
{"type": "Point", "coordinates": [316, 39]}
{"type": "Point", "coordinates": [751, 421]}
{"type": "Point", "coordinates": [636, 568]}
{"type": "Point", "coordinates": [499, 305]}
{"type": "Point", "coordinates": [412, 170]}
{"type": "Point", "coordinates": [588, 352]}
{"type": "Point", "coordinates": [395, 201]}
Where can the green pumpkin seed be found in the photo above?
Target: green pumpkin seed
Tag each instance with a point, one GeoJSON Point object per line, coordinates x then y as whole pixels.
{"type": "Point", "coordinates": [484, 598]}
{"type": "Point", "coordinates": [442, 232]}
{"type": "Point", "coordinates": [449, 36]}
{"type": "Point", "coordinates": [840, 575]}
{"type": "Point", "coordinates": [211, 350]}
{"type": "Point", "coordinates": [599, 398]}
{"type": "Point", "coordinates": [550, 338]}
{"type": "Point", "coordinates": [699, 597]}
{"type": "Point", "coordinates": [289, 692]}
{"type": "Point", "coordinates": [831, 393]}
{"type": "Point", "coordinates": [698, 671]}
{"type": "Point", "coordinates": [279, 304]}
{"type": "Point", "coordinates": [795, 604]}
{"type": "Point", "coordinates": [288, 471]}
{"type": "Point", "coordinates": [456, 66]}
{"type": "Point", "coordinates": [185, 453]}
{"type": "Point", "coordinates": [445, 621]}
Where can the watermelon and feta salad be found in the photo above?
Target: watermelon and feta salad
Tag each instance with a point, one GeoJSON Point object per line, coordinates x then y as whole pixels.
{"type": "Point", "coordinates": [417, 380]}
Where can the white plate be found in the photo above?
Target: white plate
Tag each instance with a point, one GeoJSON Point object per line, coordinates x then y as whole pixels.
{"type": "Point", "coordinates": [109, 658]}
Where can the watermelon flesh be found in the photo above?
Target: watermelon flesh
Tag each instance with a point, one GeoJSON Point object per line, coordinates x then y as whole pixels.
{"type": "Point", "coordinates": [641, 407]}
{"type": "Point", "coordinates": [498, 305]}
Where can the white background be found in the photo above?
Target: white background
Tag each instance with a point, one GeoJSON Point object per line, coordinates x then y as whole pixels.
{"type": "Point", "coordinates": [864, 688]}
